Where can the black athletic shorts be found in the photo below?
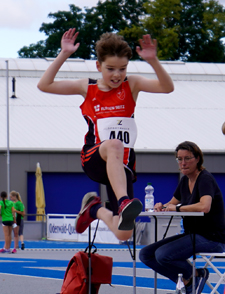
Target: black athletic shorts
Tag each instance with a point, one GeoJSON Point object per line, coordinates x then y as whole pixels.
{"type": "Point", "coordinates": [18, 219]}
{"type": "Point", "coordinates": [95, 168]}
{"type": "Point", "coordinates": [7, 223]}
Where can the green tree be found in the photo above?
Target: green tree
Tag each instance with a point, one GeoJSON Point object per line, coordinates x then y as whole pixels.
{"type": "Point", "coordinates": [115, 16]}
{"type": "Point", "coordinates": [193, 34]}
{"type": "Point", "coordinates": [33, 51]}
{"type": "Point", "coordinates": [202, 27]}
{"type": "Point", "coordinates": [214, 20]}
{"type": "Point", "coordinates": [162, 24]}
{"type": "Point", "coordinates": [107, 16]}
{"type": "Point", "coordinates": [63, 20]}
{"type": "Point", "coordinates": [189, 30]}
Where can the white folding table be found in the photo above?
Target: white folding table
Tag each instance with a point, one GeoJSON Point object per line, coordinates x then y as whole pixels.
{"type": "Point", "coordinates": [156, 215]}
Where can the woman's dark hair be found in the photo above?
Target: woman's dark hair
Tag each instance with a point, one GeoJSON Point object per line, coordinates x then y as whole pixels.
{"type": "Point", "coordinates": [111, 44]}
{"type": "Point", "coordinates": [4, 196]}
{"type": "Point", "coordinates": [194, 149]}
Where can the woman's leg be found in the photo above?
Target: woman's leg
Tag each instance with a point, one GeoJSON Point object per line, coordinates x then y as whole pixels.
{"type": "Point", "coordinates": [177, 254]}
{"type": "Point", "coordinates": [169, 256]}
{"type": "Point", "coordinates": [148, 256]}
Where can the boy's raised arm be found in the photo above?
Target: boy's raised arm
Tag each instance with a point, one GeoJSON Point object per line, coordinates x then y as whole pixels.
{"type": "Point", "coordinates": [48, 84]}
{"type": "Point", "coordinates": [148, 52]}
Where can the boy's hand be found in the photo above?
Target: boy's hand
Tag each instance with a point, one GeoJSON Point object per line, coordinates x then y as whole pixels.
{"type": "Point", "coordinates": [68, 40]}
{"type": "Point", "coordinates": [148, 48]}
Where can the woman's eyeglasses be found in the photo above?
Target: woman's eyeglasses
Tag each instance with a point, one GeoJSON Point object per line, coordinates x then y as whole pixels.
{"type": "Point", "coordinates": [185, 159]}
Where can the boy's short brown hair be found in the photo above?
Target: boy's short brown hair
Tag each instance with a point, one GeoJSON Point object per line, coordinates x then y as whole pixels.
{"type": "Point", "coordinates": [112, 45]}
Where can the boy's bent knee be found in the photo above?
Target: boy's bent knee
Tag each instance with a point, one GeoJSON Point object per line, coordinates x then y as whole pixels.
{"type": "Point", "coordinates": [111, 147]}
{"type": "Point", "coordinates": [115, 144]}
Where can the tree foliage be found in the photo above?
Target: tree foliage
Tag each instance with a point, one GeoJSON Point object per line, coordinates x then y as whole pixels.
{"type": "Point", "coordinates": [163, 24]}
{"type": "Point", "coordinates": [188, 30]}
{"type": "Point", "coordinates": [109, 16]}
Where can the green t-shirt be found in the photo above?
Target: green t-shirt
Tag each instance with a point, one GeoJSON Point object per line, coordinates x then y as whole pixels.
{"type": "Point", "coordinates": [19, 206]}
{"type": "Point", "coordinates": [6, 212]}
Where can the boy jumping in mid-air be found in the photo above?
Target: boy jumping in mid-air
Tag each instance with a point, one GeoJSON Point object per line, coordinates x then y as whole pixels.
{"type": "Point", "coordinates": [108, 156]}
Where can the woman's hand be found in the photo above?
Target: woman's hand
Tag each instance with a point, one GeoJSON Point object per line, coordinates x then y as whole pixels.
{"type": "Point", "coordinates": [170, 207]}
{"type": "Point", "coordinates": [158, 206]}
{"type": "Point", "coordinates": [68, 40]}
{"type": "Point", "coordinates": [148, 48]}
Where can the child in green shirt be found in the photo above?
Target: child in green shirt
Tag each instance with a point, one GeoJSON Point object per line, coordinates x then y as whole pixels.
{"type": "Point", "coordinates": [19, 209]}
{"type": "Point", "coordinates": [8, 219]}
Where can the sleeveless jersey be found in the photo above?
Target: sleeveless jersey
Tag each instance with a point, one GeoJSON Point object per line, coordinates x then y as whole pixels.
{"type": "Point", "coordinates": [98, 105]}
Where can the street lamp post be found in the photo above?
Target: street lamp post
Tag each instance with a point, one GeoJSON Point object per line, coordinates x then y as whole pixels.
{"type": "Point", "coordinates": [7, 107]}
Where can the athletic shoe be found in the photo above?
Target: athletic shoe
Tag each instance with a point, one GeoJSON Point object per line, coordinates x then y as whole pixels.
{"type": "Point", "coordinates": [201, 279]}
{"type": "Point", "coordinates": [3, 250]}
{"type": "Point", "coordinates": [128, 211]}
{"type": "Point", "coordinates": [14, 250]}
{"type": "Point", "coordinates": [22, 246]}
{"type": "Point", "coordinates": [188, 289]}
{"type": "Point", "coordinates": [84, 219]}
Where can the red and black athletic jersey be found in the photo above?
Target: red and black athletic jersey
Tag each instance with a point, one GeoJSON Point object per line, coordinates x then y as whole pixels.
{"type": "Point", "coordinates": [117, 102]}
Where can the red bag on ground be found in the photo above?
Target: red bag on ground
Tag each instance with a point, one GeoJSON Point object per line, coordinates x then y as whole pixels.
{"type": "Point", "coordinates": [76, 276]}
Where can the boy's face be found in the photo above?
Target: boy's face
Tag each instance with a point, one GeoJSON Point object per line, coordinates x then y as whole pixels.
{"type": "Point", "coordinates": [114, 70]}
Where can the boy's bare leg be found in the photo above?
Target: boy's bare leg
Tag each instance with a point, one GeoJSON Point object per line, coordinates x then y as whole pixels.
{"type": "Point", "coordinates": [112, 152]}
{"type": "Point", "coordinates": [112, 222]}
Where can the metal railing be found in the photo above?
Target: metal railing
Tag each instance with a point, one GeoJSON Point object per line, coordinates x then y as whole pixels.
{"type": "Point", "coordinates": [43, 222]}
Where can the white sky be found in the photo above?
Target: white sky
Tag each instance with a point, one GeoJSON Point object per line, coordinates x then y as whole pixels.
{"type": "Point", "coordinates": [20, 21]}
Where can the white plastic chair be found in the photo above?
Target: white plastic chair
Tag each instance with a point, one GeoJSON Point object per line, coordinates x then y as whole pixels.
{"type": "Point", "coordinates": [208, 257]}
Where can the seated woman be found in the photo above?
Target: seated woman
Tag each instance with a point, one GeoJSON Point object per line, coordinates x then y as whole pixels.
{"type": "Point", "coordinates": [199, 192]}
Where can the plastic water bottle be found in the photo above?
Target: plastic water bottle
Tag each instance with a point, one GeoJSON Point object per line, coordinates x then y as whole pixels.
{"type": "Point", "coordinates": [149, 197]}
{"type": "Point", "coordinates": [180, 288]}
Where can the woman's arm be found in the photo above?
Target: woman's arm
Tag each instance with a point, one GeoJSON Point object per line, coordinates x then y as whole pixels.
{"type": "Point", "coordinates": [163, 207]}
{"type": "Point", "coordinates": [48, 84]}
{"type": "Point", "coordinates": [204, 205]}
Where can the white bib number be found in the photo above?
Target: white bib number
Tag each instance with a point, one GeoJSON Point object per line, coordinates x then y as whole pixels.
{"type": "Point", "coordinates": [122, 128]}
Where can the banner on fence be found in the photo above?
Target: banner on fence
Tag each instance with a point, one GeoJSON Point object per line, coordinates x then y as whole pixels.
{"type": "Point", "coordinates": [61, 227]}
